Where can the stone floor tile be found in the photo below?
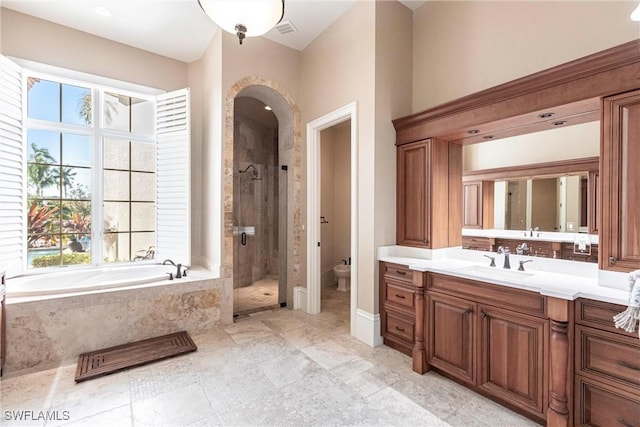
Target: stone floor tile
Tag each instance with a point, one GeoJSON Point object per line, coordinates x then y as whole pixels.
{"type": "Point", "coordinates": [182, 406]}
{"type": "Point", "coordinates": [120, 417]}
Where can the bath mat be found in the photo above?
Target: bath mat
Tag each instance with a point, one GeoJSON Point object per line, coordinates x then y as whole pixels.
{"type": "Point", "coordinates": [95, 364]}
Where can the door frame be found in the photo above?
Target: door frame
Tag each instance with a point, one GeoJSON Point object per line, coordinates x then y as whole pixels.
{"type": "Point", "coordinates": [349, 111]}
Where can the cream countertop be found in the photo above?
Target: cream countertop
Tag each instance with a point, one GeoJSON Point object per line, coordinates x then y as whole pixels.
{"type": "Point", "coordinates": [556, 278]}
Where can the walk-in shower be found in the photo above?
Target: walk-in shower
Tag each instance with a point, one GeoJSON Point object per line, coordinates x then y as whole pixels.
{"type": "Point", "coordinates": [255, 207]}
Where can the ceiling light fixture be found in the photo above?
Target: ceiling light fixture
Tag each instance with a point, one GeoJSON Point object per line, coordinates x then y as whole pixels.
{"type": "Point", "coordinates": [266, 107]}
{"type": "Point", "coordinates": [635, 15]}
{"type": "Point", "coordinates": [246, 18]}
{"type": "Point", "coordinates": [102, 11]}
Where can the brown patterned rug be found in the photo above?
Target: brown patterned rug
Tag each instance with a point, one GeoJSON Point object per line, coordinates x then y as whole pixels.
{"type": "Point", "coordinates": [95, 364]}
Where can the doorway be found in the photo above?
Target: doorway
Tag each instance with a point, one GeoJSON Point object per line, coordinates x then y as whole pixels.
{"type": "Point", "coordinates": [335, 219]}
{"type": "Point", "coordinates": [314, 265]}
{"type": "Point", "coordinates": [255, 207]}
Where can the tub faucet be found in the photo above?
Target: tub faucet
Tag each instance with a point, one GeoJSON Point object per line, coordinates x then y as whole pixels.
{"type": "Point", "coordinates": [344, 261]}
{"type": "Point", "coordinates": [179, 273]}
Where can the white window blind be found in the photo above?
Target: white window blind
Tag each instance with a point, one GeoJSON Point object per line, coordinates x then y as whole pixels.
{"type": "Point", "coordinates": [12, 175]}
{"type": "Point", "coordinates": [173, 177]}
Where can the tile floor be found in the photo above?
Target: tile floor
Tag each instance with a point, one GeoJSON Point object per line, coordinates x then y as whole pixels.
{"type": "Point", "coordinates": [277, 367]}
{"type": "Point", "coordinates": [255, 297]}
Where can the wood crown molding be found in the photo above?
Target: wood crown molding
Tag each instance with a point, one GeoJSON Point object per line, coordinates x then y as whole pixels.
{"type": "Point", "coordinates": [586, 165]}
{"type": "Point", "coordinates": [600, 62]}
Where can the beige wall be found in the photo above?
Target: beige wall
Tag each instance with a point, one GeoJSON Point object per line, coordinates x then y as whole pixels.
{"type": "Point", "coordinates": [42, 41]}
{"type": "Point", "coordinates": [461, 47]}
{"type": "Point", "coordinates": [338, 68]}
{"type": "Point", "coordinates": [393, 99]}
{"type": "Point", "coordinates": [260, 57]}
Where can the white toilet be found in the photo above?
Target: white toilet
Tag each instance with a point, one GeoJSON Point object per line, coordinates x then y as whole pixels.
{"type": "Point", "coordinates": [343, 273]}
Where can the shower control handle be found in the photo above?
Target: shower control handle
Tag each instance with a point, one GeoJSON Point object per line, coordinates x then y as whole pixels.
{"type": "Point", "coordinates": [243, 238]}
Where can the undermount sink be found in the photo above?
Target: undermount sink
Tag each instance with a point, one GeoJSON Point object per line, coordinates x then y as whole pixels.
{"type": "Point", "coordinates": [497, 272]}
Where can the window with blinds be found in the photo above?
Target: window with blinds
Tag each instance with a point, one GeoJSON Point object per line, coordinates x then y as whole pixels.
{"type": "Point", "coordinates": [90, 174]}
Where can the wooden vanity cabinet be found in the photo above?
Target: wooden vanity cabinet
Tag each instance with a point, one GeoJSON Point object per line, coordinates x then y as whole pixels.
{"type": "Point", "coordinates": [397, 307]}
{"type": "Point", "coordinates": [427, 172]}
{"type": "Point", "coordinates": [619, 177]}
{"type": "Point", "coordinates": [451, 335]}
{"type": "Point", "coordinates": [512, 357]}
{"type": "Point", "coordinates": [501, 352]}
{"type": "Point", "coordinates": [607, 365]}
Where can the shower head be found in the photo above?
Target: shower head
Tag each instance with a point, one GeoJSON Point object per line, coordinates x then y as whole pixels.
{"type": "Point", "coordinates": [256, 176]}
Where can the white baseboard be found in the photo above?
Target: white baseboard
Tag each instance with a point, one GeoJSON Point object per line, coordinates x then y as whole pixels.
{"type": "Point", "coordinates": [300, 298]}
{"type": "Point", "coordinates": [368, 328]}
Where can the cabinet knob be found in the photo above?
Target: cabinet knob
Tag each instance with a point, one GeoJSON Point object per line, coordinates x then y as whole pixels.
{"type": "Point", "coordinates": [468, 310]}
{"type": "Point", "coordinates": [612, 260]}
{"type": "Point", "coordinates": [483, 315]}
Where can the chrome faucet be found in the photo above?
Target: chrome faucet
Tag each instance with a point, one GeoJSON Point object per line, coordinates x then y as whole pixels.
{"type": "Point", "coordinates": [493, 260]}
{"type": "Point", "coordinates": [522, 263]}
{"type": "Point", "coordinates": [504, 251]}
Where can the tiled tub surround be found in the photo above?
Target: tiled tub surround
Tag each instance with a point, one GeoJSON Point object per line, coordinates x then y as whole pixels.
{"type": "Point", "coordinates": [51, 330]}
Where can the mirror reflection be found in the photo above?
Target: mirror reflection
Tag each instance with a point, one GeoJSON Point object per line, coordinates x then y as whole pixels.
{"type": "Point", "coordinates": [542, 204]}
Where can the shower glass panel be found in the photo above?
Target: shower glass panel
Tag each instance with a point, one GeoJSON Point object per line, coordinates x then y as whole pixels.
{"type": "Point", "coordinates": [255, 208]}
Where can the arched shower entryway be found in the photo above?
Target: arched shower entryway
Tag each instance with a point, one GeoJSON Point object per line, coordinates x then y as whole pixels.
{"type": "Point", "coordinates": [262, 186]}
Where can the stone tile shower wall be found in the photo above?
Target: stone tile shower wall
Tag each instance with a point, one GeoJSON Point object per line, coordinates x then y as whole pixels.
{"type": "Point", "coordinates": [255, 202]}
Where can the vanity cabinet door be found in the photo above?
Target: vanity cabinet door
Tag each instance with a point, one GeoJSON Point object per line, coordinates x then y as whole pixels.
{"type": "Point", "coordinates": [619, 177]}
{"type": "Point", "coordinates": [512, 357]}
{"type": "Point", "coordinates": [413, 194]}
{"type": "Point", "coordinates": [451, 335]}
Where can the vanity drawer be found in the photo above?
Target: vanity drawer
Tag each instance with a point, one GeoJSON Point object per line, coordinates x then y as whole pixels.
{"type": "Point", "coordinates": [400, 295]}
{"type": "Point", "coordinates": [400, 327]}
{"type": "Point", "coordinates": [603, 406]}
{"type": "Point", "coordinates": [526, 302]}
{"type": "Point", "coordinates": [599, 315]}
{"type": "Point", "coordinates": [609, 357]}
{"type": "Point", "coordinates": [399, 272]}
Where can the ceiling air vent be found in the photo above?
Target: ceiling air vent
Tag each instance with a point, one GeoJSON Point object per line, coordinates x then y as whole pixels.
{"type": "Point", "coordinates": [286, 27]}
